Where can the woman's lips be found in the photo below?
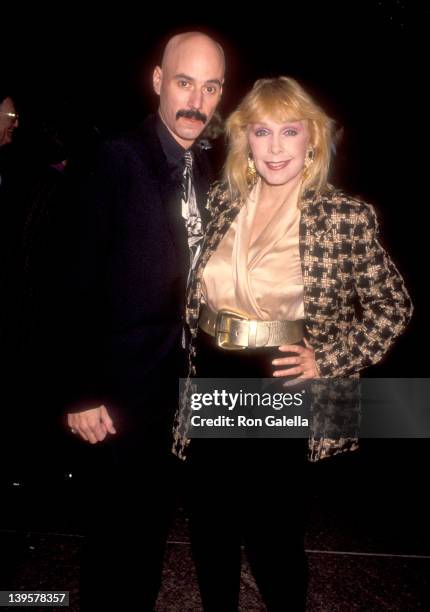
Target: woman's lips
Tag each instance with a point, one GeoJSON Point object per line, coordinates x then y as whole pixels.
{"type": "Point", "coordinates": [277, 165]}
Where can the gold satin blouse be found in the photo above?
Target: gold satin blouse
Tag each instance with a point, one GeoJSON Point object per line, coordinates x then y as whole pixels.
{"type": "Point", "coordinates": [261, 279]}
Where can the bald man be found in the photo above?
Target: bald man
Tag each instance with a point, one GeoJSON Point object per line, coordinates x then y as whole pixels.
{"type": "Point", "coordinates": [141, 224]}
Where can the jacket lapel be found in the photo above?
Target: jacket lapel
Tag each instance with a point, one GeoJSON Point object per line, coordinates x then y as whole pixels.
{"type": "Point", "coordinates": [217, 229]}
{"type": "Point", "coordinates": [168, 185]}
{"type": "Point", "coordinates": [314, 219]}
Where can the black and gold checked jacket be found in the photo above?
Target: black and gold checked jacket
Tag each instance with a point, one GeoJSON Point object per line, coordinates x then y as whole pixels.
{"type": "Point", "coordinates": [355, 300]}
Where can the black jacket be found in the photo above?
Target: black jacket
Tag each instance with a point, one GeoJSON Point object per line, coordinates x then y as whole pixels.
{"type": "Point", "coordinates": [126, 288]}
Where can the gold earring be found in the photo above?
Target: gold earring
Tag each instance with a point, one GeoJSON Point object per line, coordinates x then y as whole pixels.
{"type": "Point", "coordinates": [251, 172]}
{"type": "Point", "coordinates": [310, 157]}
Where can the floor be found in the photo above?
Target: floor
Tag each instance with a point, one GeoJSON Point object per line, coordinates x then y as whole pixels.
{"type": "Point", "coordinates": [368, 541]}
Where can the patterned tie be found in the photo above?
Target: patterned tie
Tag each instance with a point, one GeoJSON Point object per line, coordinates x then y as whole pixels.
{"type": "Point", "coordinates": [193, 222]}
{"type": "Point", "coordinates": [190, 213]}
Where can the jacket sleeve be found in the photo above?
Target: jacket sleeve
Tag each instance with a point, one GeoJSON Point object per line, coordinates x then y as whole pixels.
{"type": "Point", "coordinates": [385, 305]}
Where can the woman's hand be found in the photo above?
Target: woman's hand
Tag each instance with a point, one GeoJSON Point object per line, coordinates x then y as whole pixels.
{"type": "Point", "coordinates": [303, 363]}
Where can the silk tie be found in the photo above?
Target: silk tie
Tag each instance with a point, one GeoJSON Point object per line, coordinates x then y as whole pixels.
{"type": "Point", "coordinates": [190, 213]}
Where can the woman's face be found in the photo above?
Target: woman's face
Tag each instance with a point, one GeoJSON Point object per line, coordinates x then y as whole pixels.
{"type": "Point", "coordinates": [279, 149]}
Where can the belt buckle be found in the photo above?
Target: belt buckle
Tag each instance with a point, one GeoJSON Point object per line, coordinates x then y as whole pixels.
{"type": "Point", "coordinates": [223, 329]}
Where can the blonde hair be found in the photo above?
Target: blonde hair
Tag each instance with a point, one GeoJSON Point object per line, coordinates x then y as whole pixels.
{"type": "Point", "coordinates": [282, 99]}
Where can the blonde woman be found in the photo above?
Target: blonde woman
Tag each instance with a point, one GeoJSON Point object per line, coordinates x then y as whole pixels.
{"type": "Point", "coordinates": [293, 276]}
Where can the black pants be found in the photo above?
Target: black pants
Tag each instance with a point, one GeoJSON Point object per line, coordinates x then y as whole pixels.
{"type": "Point", "coordinates": [128, 499]}
{"type": "Point", "coordinates": [249, 491]}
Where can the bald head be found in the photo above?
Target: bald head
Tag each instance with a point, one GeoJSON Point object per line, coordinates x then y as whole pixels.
{"type": "Point", "coordinates": [194, 42]}
{"type": "Point", "coordinates": [189, 83]}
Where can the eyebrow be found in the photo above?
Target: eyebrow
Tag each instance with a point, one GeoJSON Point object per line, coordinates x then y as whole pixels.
{"type": "Point", "coordinates": [189, 78]}
{"type": "Point", "coordinates": [299, 121]}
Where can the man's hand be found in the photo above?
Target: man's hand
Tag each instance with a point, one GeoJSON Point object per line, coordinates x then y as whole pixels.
{"type": "Point", "coordinates": [304, 366]}
{"type": "Point", "coordinates": [92, 425]}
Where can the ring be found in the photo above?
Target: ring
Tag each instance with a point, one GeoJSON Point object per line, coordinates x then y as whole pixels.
{"type": "Point", "coordinates": [73, 431]}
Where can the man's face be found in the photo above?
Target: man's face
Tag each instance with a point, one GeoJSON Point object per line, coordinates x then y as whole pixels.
{"type": "Point", "coordinates": [190, 87]}
{"type": "Point", "coordinates": [8, 121]}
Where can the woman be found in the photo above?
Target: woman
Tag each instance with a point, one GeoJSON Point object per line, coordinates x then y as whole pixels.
{"type": "Point", "coordinates": [291, 255]}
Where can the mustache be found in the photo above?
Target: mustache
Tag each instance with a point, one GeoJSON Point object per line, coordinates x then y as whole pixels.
{"type": "Point", "coordinates": [192, 114]}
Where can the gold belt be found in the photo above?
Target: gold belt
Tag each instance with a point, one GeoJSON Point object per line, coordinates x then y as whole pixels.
{"type": "Point", "coordinates": [233, 331]}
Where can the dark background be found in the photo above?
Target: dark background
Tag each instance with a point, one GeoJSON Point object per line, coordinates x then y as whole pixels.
{"type": "Point", "coordinates": [366, 63]}
{"type": "Point", "coordinates": [89, 71]}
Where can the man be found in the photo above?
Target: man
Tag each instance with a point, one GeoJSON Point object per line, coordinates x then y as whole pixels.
{"type": "Point", "coordinates": [9, 199]}
{"type": "Point", "coordinates": [12, 201]}
{"type": "Point", "coordinates": [8, 119]}
{"type": "Point", "coordinates": [139, 232]}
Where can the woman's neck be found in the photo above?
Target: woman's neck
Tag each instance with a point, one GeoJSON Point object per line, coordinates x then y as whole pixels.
{"type": "Point", "coordinates": [271, 199]}
{"type": "Point", "coordinates": [275, 195]}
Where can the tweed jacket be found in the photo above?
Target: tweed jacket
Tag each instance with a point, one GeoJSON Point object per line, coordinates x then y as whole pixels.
{"type": "Point", "coordinates": [355, 300]}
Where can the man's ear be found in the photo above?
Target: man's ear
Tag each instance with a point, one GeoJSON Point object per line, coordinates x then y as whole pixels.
{"type": "Point", "coordinates": [157, 78]}
{"type": "Point", "coordinates": [222, 87]}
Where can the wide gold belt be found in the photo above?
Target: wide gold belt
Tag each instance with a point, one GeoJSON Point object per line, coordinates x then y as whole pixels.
{"type": "Point", "coordinates": [233, 331]}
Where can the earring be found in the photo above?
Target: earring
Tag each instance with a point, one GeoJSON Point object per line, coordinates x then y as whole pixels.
{"type": "Point", "coordinates": [309, 159]}
{"type": "Point", "coordinates": [251, 172]}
